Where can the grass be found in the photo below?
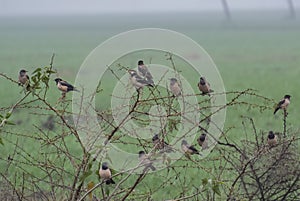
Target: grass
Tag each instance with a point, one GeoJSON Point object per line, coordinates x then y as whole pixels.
{"type": "Point", "coordinates": [249, 53]}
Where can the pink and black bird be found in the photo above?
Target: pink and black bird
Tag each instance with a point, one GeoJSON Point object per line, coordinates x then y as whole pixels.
{"type": "Point", "coordinates": [64, 86]}
{"type": "Point", "coordinates": [272, 139]}
{"type": "Point", "coordinates": [283, 104]}
{"type": "Point", "coordinates": [145, 161]}
{"type": "Point", "coordinates": [202, 141]}
{"type": "Point", "coordinates": [161, 145]}
{"type": "Point", "coordinates": [24, 79]}
{"type": "Point", "coordinates": [204, 86]}
{"type": "Point", "coordinates": [144, 72]}
{"type": "Point", "coordinates": [137, 81]}
{"type": "Point", "coordinates": [188, 149]}
{"type": "Point", "coordinates": [105, 174]}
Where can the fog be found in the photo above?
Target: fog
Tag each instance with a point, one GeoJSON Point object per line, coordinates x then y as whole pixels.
{"type": "Point", "coordinates": [68, 7]}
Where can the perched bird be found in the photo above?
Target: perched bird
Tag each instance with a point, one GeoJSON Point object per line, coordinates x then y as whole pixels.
{"type": "Point", "coordinates": [105, 174]}
{"type": "Point", "coordinates": [283, 104]}
{"type": "Point", "coordinates": [202, 141]}
{"type": "Point", "coordinates": [188, 149]}
{"type": "Point", "coordinates": [272, 139]}
{"type": "Point", "coordinates": [161, 145]}
{"type": "Point", "coordinates": [24, 78]}
{"type": "Point", "coordinates": [144, 72]}
{"type": "Point", "coordinates": [175, 87]}
{"type": "Point", "coordinates": [145, 161]}
{"type": "Point", "coordinates": [204, 86]}
{"type": "Point", "coordinates": [137, 81]}
{"type": "Point", "coordinates": [64, 86]}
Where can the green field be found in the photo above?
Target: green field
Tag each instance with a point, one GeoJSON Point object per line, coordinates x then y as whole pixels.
{"type": "Point", "coordinates": [255, 50]}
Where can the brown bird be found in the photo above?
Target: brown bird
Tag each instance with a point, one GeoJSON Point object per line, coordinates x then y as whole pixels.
{"type": "Point", "coordinates": [283, 104]}
{"type": "Point", "coordinates": [272, 139]}
{"type": "Point", "coordinates": [204, 86]}
{"type": "Point", "coordinates": [188, 149]}
{"type": "Point", "coordinates": [161, 145]}
{"type": "Point", "coordinates": [24, 78]}
{"type": "Point", "coordinates": [144, 72]}
{"type": "Point", "coordinates": [105, 174]}
{"type": "Point", "coordinates": [202, 141]}
{"type": "Point", "coordinates": [145, 161]}
{"type": "Point", "coordinates": [175, 87]}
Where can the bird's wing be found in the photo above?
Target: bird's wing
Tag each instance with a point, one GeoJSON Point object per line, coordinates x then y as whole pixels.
{"type": "Point", "coordinates": [64, 83]}
{"type": "Point", "coordinates": [145, 72]}
{"type": "Point", "coordinates": [142, 80]}
{"type": "Point", "coordinates": [193, 149]}
{"type": "Point", "coordinates": [281, 102]}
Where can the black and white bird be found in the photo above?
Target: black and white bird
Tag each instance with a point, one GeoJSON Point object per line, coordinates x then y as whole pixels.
{"type": "Point", "coordinates": [161, 145]}
{"type": "Point", "coordinates": [145, 161]}
{"type": "Point", "coordinates": [204, 86]}
{"type": "Point", "coordinates": [202, 141]}
{"type": "Point", "coordinates": [64, 86]}
{"type": "Point", "coordinates": [188, 149]}
{"type": "Point", "coordinates": [137, 81]}
{"type": "Point", "coordinates": [283, 104]}
{"type": "Point", "coordinates": [272, 139]}
{"type": "Point", "coordinates": [105, 174]}
{"type": "Point", "coordinates": [175, 87]}
{"type": "Point", "coordinates": [24, 79]}
{"type": "Point", "coordinates": [144, 72]}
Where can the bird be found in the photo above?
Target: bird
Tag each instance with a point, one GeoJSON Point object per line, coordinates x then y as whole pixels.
{"type": "Point", "coordinates": [204, 86]}
{"type": "Point", "coordinates": [144, 72]}
{"type": "Point", "coordinates": [145, 161]}
{"type": "Point", "coordinates": [175, 87]}
{"type": "Point", "coordinates": [105, 174]}
{"type": "Point", "coordinates": [161, 145]}
{"type": "Point", "coordinates": [24, 78]}
{"type": "Point", "coordinates": [283, 104]}
{"type": "Point", "coordinates": [137, 81]}
{"type": "Point", "coordinates": [64, 86]}
{"type": "Point", "coordinates": [202, 141]}
{"type": "Point", "coordinates": [272, 139]}
{"type": "Point", "coordinates": [188, 149]}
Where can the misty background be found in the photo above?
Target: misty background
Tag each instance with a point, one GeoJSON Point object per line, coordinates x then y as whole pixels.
{"type": "Point", "coordinates": [70, 7]}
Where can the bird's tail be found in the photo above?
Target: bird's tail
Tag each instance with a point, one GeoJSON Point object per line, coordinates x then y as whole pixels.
{"type": "Point", "coordinates": [109, 181]}
{"type": "Point", "coordinates": [211, 90]}
{"type": "Point", "coordinates": [276, 109]}
{"type": "Point", "coordinates": [76, 90]}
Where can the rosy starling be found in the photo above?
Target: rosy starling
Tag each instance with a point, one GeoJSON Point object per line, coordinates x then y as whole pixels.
{"type": "Point", "coordinates": [188, 149]}
{"type": "Point", "coordinates": [202, 141]}
{"type": "Point", "coordinates": [204, 86]}
{"type": "Point", "coordinates": [144, 72]}
{"type": "Point", "coordinates": [283, 104]}
{"type": "Point", "coordinates": [145, 161]}
{"type": "Point", "coordinates": [161, 145]}
{"type": "Point", "coordinates": [24, 78]}
{"type": "Point", "coordinates": [272, 139]}
{"type": "Point", "coordinates": [175, 87]}
{"type": "Point", "coordinates": [137, 81]}
{"type": "Point", "coordinates": [105, 174]}
{"type": "Point", "coordinates": [64, 86]}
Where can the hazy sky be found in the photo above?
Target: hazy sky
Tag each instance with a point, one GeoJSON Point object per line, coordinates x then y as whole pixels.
{"type": "Point", "coordinates": [48, 7]}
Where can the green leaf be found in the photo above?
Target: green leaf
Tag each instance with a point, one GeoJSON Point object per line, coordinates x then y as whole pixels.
{"type": "Point", "coordinates": [10, 123]}
{"type": "Point", "coordinates": [36, 70]}
{"type": "Point", "coordinates": [216, 189]}
{"type": "Point", "coordinates": [1, 141]}
{"type": "Point", "coordinates": [7, 115]}
{"type": "Point", "coordinates": [204, 181]}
